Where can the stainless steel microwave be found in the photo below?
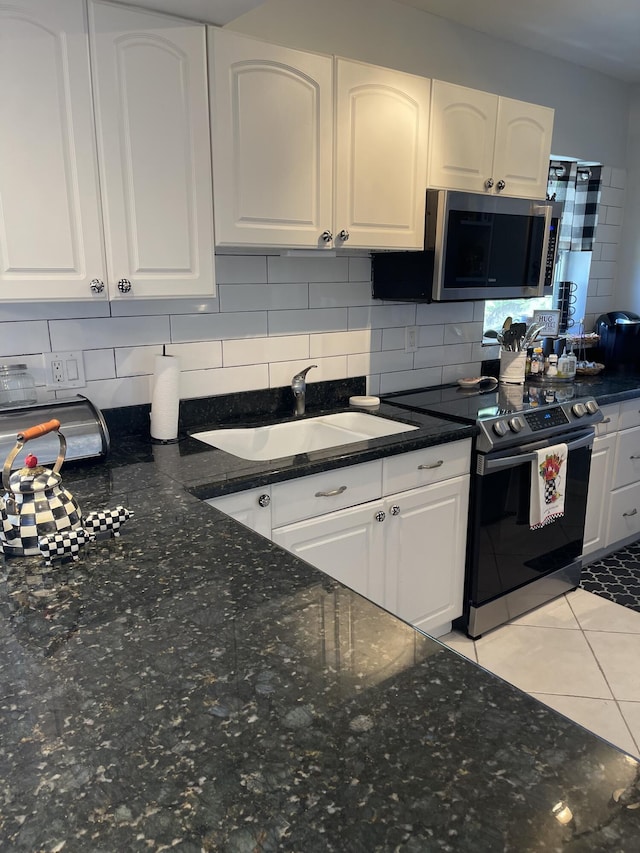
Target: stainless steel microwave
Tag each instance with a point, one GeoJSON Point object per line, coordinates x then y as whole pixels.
{"type": "Point", "coordinates": [476, 247]}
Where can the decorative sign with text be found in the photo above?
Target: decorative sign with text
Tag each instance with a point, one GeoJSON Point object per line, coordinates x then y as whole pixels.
{"type": "Point", "coordinates": [551, 319]}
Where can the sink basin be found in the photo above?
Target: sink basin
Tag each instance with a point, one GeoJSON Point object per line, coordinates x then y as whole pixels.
{"type": "Point", "coordinates": [302, 436]}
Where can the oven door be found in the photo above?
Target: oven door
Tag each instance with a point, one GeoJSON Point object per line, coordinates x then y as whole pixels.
{"type": "Point", "coordinates": [510, 567]}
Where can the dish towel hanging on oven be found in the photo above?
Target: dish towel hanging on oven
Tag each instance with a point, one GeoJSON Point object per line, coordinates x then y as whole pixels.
{"type": "Point", "coordinates": [548, 478]}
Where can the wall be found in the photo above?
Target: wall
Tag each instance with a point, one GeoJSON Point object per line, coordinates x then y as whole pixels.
{"type": "Point", "coordinates": [273, 315]}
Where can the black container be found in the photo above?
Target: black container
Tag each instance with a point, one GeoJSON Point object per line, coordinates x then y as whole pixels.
{"type": "Point", "coordinates": [619, 340]}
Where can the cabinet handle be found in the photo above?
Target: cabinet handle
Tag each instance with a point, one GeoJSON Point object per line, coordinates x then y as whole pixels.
{"type": "Point", "coordinates": [437, 464]}
{"type": "Point", "coordinates": [343, 235]}
{"type": "Point", "coordinates": [124, 285]}
{"type": "Point", "coordinates": [96, 285]}
{"type": "Point", "coordinates": [635, 456]}
{"type": "Point", "coordinates": [332, 492]}
{"type": "Point", "coordinates": [380, 516]}
{"type": "Point", "coordinates": [488, 183]}
{"type": "Point", "coordinates": [634, 511]}
{"type": "Point", "coordinates": [395, 510]}
{"type": "Point", "coordinates": [264, 500]}
{"type": "Point", "coordinates": [327, 236]}
{"type": "Point", "coordinates": [500, 185]}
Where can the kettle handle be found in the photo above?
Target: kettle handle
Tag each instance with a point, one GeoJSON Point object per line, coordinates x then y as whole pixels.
{"type": "Point", "coordinates": [25, 436]}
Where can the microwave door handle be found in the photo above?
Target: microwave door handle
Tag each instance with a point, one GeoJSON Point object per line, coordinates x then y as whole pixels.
{"type": "Point", "coordinates": [500, 463]}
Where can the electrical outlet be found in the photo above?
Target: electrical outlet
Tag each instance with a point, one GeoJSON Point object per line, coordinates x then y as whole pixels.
{"type": "Point", "coordinates": [64, 370]}
{"type": "Point", "coordinates": [411, 339]}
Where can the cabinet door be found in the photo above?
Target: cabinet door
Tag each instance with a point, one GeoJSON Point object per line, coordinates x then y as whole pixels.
{"type": "Point", "coordinates": [595, 526]}
{"type": "Point", "coordinates": [347, 545]}
{"type": "Point", "coordinates": [627, 464]}
{"type": "Point", "coordinates": [523, 147]}
{"type": "Point", "coordinates": [150, 88]}
{"type": "Point", "coordinates": [272, 137]}
{"type": "Point", "coordinates": [461, 137]}
{"type": "Point", "coordinates": [50, 230]}
{"type": "Point", "coordinates": [251, 508]}
{"type": "Point", "coordinates": [381, 157]}
{"type": "Point", "coordinates": [425, 554]}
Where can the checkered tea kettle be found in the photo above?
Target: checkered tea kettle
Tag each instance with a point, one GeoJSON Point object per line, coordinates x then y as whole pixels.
{"type": "Point", "coordinates": [35, 503]}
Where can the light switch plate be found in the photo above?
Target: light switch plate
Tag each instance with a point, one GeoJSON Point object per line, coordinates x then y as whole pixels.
{"type": "Point", "coordinates": [64, 370]}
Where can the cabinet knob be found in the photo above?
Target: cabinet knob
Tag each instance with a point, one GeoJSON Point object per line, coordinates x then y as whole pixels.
{"type": "Point", "coordinates": [500, 185]}
{"type": "Point", "coordinates": [488, 183]}
{"type": "Point", "coordinates": [343, 235]}
{"type": "Point", "coordinates": [124, 285]}
{"type": "Point", "coordinates": [380, 516]}
{"type": "Point", "coordinates": [264, 500]}
{"type": "Point", "coordinates": [96, 285]}
{"type": "Point", "coordinates": [327, 236]}
{"type": "Point", "coordinates": [395, 510]}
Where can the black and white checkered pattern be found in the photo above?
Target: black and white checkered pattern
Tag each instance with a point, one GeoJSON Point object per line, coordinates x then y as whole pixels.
{"type": "Point", "coordinates": [579, 200]}
{"type": "Point", "coordinates": [58, 546]}
{"type": "Point", "coordinates": [47, 509]}
{"type": "Point", "coordinates": [107, 520]}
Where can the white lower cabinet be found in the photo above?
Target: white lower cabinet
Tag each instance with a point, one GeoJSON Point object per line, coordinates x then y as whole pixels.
{"type": "Point", "coordinates": [393, 530]}
{"type": "Point", "coordinates": [595, 525]}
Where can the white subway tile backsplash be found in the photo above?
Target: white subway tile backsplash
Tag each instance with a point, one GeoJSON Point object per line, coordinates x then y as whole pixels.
{"type": "Point", "coordinates": [390, 361]}
{"type": "Point", "coordinates": [343, 343]}
{"type": "Point", "coordinates": [613, 196]}
{"type": "Point", "coordinates": [410, 379]}
{"type": "Point", "coordinates": [360, 270]}
{"type": "Point", "coordinates": [613, 216]}
{"type": "Point", "coordinates": [224, 380]}
{"type": "Point", "coordinates": [445, 312]}
{"type": "Point", "coordinates": [241, 269]}
{"type": "Point", "coordinates": [265, 350]}
{"type": "Point", "coordinates": [113, 393]}
{"type": "Point", "coordinates": [430, 336]}
{"type": "Point", "coordinates": [481, 352]}
{"type": "Point", "coordinates": [618, 178]}
{"type": "Point", "coordinates": [312, 320]}
{"type": "Point", "coordinates": [136, 361]}
{"type": "Point", "coordinates": [211, 327]}
{"type": "Point", "coordinates": [151, 307]}
{"type": "Point", "coordinates": [608, 251]}
{"type": "Point", "coordinates": [197, 356]}
{"type": "Point", "coordinates": [109, 332]}
{"type": "Point", "coordinates": [458, 371]}
{"type": "Point", "coordinates": [263, 297]}
{"type": "Point", "coordinates": [382, 316]}
{"type": "Point", "coordinates": [339, 294]}
{"type": "Point", "coordinates": [284, 269]}
{"type": "Point", "coordinates": [99, 364]}
{"type": "Point", "coordinates": [393, 338]}
{"type": "Point", "coordinates": [24, 338]}
{"type": "Point", "coordinates": [15, 311]}
{"type": "Point", "coordinates": [455, 333]}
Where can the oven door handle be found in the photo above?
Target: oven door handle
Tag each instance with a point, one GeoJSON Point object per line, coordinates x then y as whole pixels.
{"type": "Point", "coordinates": [499, 463]}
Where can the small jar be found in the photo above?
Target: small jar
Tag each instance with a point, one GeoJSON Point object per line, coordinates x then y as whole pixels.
{"type": "Point", "coordinates": [537, 361]}
{"type": "Point", "coordinates": [552, 366]}
{"type": "Point", "coordinates": [17, 387]}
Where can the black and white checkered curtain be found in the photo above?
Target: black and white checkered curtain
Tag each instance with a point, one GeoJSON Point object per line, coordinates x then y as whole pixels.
{"type": "Point", "coordinates": [578, 189]}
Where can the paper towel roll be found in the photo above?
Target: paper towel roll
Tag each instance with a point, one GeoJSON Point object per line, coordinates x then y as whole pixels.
{"type": "Point", "coordinates": [165, 398]}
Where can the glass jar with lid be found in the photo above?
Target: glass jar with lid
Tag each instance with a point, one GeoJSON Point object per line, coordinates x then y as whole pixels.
{"type": "Point", "coordinates": [17, 387]}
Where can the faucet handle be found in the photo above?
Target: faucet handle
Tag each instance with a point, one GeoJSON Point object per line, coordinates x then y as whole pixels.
{"type": "Point", "coordinates": [302, 373]}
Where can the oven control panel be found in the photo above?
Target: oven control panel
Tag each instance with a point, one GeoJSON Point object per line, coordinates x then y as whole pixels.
{"type": "Point", "coordinates": [538, 420]}
{"type": "Point", "coordinates": [515, 428]}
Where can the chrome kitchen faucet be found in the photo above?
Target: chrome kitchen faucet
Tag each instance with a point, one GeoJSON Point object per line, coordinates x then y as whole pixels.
{"type": "Point", "coordinates": [299, 388]}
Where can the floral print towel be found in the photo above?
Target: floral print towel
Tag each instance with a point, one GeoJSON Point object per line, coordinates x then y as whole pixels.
{"type": "Point", "coordinates": [548, 477]}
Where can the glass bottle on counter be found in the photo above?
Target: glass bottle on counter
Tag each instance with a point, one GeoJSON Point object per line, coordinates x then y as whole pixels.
{"type": "Point", "coordinates": [552, 366]}
{"type": "Point", "coordinates": [537, 362]}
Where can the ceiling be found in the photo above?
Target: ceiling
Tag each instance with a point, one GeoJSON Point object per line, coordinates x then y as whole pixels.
{"type": "Point", "coordinates": [603, 35]}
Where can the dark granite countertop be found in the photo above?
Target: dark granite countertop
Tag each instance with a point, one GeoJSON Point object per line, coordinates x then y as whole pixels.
{"type": "Point", "coordinates": [191, 686]}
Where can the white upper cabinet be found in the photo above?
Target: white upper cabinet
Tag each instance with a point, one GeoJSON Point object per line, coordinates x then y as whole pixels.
{"type": "Point", "coordinates": [50, 229]}
{"type": "Point", "coordinates": [130, 216]}
{"type": "Point", "coordinates": [312, 152]}
{"type": "Point", "coordinates": [480, 142]}
{"type": "Point", "coordinates": [151, 101]}
{"type": "Point", "coordinates": [380, 165]}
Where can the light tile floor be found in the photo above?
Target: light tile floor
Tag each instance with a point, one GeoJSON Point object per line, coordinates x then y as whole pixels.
{"type": "Point", "coordinates": [579, 654]}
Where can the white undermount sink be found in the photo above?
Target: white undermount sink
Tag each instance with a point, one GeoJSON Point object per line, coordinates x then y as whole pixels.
{"type": "Point", "coordinates": [301, 436]}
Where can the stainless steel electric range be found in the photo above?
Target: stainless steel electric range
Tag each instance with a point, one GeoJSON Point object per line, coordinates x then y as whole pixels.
{"type": "Point", "coordinates": [512, 567]}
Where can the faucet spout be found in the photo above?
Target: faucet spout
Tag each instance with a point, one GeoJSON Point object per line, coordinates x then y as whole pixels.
{"type": "Point", "coordinates": [299, 388]}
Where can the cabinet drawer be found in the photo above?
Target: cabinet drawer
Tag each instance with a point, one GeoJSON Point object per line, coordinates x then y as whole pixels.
{"type": "Point", "coordinates": [624, 513]}
{"type": "Point", "coordinates": [611, 419]}
{"type": "Point", "coordinates": [421, 467]}
{"type": "Point", "coordinates": [627, 458]}
{"type": "Point", "coordinates": [326, 492]}
{"type": "Point", "coordinates": [629, 414]}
